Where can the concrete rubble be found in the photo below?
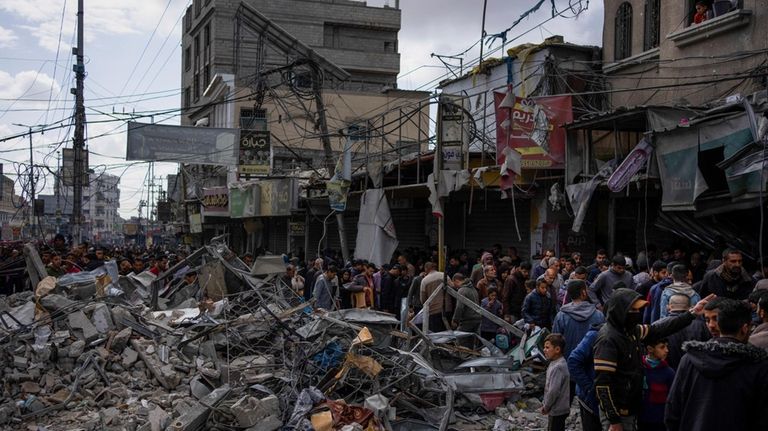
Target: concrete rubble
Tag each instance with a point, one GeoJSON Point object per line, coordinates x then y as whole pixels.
{"type": "Point", "coordinates": [107, 352]}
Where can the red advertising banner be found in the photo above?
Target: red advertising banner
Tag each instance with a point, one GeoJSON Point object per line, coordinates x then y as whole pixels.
{"type": "Point", "coordinates": [534, 129]}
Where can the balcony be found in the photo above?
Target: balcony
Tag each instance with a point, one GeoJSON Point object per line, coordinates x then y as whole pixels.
{"type": "Point", "coordinates": [711, 28]}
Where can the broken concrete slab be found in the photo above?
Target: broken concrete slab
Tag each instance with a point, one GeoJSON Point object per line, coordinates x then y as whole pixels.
{"type": "Point", "coordinates": [78, 320]}
{"type": "Point", "coordinates": [120, 340]}
{"type": "Point", "coordinates": [250, 410]}
{"type": "Point", "coordinates": [76, 349]}
{"type": "Point", "coordinates": [102, 318]}
{"type": "Point", "coordinates": [197, 415]}
{"type": "Point", "coordinates": [130, 357]}
{"type": "Point", "coordinates": [55, 302]}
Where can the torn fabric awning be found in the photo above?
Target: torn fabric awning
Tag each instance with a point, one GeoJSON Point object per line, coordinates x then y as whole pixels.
{"type": "Point", "coordinates": [376, 237]}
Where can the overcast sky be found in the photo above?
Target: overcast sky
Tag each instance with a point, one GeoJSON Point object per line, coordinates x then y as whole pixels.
{"type": "Point", "coordinates": [121, 79]}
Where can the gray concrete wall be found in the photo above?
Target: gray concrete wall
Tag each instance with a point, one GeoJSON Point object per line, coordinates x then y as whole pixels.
{"type": "Point", "coordinates": [687, 54]}
{"type": "Point", "coordinates": [360, 39]}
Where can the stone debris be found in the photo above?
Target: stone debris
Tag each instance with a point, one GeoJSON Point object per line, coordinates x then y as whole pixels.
{"type": "Point", "coordinates": [113, 357]}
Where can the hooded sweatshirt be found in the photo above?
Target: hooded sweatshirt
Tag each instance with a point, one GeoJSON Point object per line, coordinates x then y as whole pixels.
{"type": "Point", "coordinates": [677, 288]}
{"type": "Point", "coordinates": [721, 384]}
{"type": "Point", "coordinates": [574, 320]}
{"type": "Point", "coordinates": [465, 316]}
{"type": "Point", "coordinates": [602, 288]}
{"type": "Point", "coordinates": [618, 355]}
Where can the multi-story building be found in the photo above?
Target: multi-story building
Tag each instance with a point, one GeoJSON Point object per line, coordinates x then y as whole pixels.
{"type": "Point", "coordinates": [244, 65]}
{"type": "Point", "coordinates": [101, 202]}
{"type": "Point", "coordinates": [685, 93]}
{"type": "Point", "coordinates": [12, 218]}
{"type": "Point", "coordinates": [259, 65]}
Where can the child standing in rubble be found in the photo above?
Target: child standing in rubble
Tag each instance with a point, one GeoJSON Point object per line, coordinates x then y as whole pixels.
{"type": "Point", "coordinates": [556, 403]}
{"type": "Point", "coordinates": [488, 328]}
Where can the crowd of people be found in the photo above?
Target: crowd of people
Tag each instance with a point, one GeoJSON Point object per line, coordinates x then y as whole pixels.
{"type": "Point", "coordinates": [673, 341]}
{"type": "Point", "coordinates": [648, 344]}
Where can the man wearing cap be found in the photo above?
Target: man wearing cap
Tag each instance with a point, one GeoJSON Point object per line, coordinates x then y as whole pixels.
{"type": "Point", "coordinates": [618, 355]}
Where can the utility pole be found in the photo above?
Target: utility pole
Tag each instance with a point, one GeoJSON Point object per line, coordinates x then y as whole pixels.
{"type": "Point", "coordinates": [57, 190]}
{"type": "Point", "coordinates": [79, 168]}
{"type": "Point", "coordinates": [317, 85]}
{"type": "Point", "coordinates": [32, 185]}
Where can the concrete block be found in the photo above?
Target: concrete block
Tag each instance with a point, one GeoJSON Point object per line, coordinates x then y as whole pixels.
{"type": "Point", "coordinates": [250, 410]}
{"type": "Point", "coordinates": [78, 320]}
{"type": "Point", "coordinates": [102, 319]}
{"type": "Point", "coordinates": [196, 416]}
{"type": "Point", "coordinates": [130, 357]}
{"type": "Point", "coordinates": [120, 340]}
{"type": "Point", "coordinates": [76, 349]}
{"type": "Point", "coordinates": [54, 302]}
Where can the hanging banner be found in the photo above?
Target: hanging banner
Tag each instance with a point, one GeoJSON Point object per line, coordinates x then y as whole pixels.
{"type": "Point", "coordinates": [255, 152]}
{"type": "Point", "coordinates": [244, 200]}
{"type": "Point", "coordinates": [338, 186]}
{"type": "Point", "coordinates": [195, 223]}
{"type": "Point", "coordinates": [532, 127]}
{"type": "Point", "coordinates": [182, 144]}
{"type": "Point", "coordinates": [215, 202]}
{"type": "Point", "coordinates": [677, 153]}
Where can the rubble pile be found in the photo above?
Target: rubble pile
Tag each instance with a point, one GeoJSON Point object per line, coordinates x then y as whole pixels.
{"type": "Point", "coordinates": [242, 351]}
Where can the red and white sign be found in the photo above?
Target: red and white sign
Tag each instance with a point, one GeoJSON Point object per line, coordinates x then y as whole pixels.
{"type": "Point", "coordinates": [532, 127]}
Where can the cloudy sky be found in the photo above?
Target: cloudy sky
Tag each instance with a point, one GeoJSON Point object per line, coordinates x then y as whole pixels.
{"type": "Point", "coordinates": [133, 61]}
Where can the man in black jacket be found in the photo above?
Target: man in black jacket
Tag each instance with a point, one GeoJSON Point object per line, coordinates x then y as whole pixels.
{"type": "Point", "coordinates": [729, 280]}
{"type": "Point", "coordinates": [696, 331]}
{"type": "Point", "coordinates": [618, 356]}
{"type": "Point", "coordinates": [721, 384]}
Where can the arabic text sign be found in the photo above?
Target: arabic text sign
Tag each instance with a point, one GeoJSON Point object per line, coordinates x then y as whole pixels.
{"type": "Point", "coordinates": [533, 128]}
{"type": "Point", "coordinates": [255, 152]}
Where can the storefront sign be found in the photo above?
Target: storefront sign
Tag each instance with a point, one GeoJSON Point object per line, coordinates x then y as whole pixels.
{"type": "Point", "coordinates": [215, 202]}
{"type": "Point", "coordinates": [532, 126]}
{"type": "Point", "coordinates": [279, 197]}
{"type": "Point", "coordinates": [244, 200]}
{"type": "Point", "coordinates": [255, 152]}
{"type": "Point", "coordinates": [195, 223]}
{"type": "Point", "coordinates": [296, 228]}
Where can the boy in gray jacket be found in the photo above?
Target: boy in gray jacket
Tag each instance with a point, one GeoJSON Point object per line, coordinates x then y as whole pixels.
{"type": "Point", "coordinates": [556, 403]}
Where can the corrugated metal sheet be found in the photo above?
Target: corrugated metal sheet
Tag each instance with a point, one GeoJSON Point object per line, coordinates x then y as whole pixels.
{"type": "Point", "coordinates": [410, 225]}
{"type": "Point", "coordinates": [276, 230]}
{"type": "Point", "coordinates": [492, 222]}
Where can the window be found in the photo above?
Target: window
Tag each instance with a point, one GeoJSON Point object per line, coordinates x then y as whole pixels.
{"type": "Point", "coordinates": [207, 44]}
{"type": "Point", "coordinates": [652, 28]}
{"type": "Point", "coordinates": [188, 58]}
{"type": "Point", "coordinates": [198, 7]}
{"type": "Point", "coordinates": [359, 132]}
{"type": "Point", "coordinates": [187, 97]}
{"type": "Point", "coordinates": [623, 32]}
{"type": "Point", "coordinates": [253, 119]}
{"type": "Point", "coordinates": [206, 75]}
{"type": "Point", "coordinates": [197, 53]}
{"type": "Point", "coordinates": [196, 87]}
{"type": "Point", "coordinates": [188, 19]}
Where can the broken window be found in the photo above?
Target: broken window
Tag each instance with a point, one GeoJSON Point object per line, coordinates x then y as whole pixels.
{"type": "Point", "coordinates": [623, 32]}
{"type": "Point", "coordinates": [652, 24]}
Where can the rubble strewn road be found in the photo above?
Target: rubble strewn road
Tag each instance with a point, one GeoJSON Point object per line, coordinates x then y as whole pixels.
{"type": "Point", "coordinates": [101, 351]}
